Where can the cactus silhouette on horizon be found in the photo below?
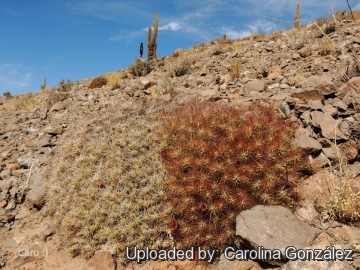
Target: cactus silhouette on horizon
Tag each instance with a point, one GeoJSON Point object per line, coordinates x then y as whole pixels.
{"type": "Point", "coordinates": [151, 40]}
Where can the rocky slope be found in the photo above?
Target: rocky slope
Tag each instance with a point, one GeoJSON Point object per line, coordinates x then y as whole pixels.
{"type": "Point", "coordinates": [311, 75]}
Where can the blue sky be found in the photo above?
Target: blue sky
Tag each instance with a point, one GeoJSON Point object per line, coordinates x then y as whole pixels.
{"type": "Point", "coordinates": [77, 39]}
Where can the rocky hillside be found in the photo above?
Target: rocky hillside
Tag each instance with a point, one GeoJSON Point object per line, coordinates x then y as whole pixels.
{"type": "Point", "coordinates": [310, 75]}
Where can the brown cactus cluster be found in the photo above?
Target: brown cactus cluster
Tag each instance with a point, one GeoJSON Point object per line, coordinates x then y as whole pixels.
{"type": "Point", "coordinates": [222, 160]}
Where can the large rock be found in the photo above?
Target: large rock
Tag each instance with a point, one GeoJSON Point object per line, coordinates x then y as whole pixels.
{"type": "Point", "coordinates": [254, 85]}
{"type": "Point", "coordinates": [37, 192]}
{"type": "Point", "coordinates": [307, 143]}
{"type": "Point", "coordinates": [317, 188]}
{"type": "Point", "coordinates": [273, 227]}
{"type": "Point", "coordinates": [330, 128]}
{"type": "Point", "coordinates": [54, 129]}
{"type": "Point", "coordinates": [307, 95]}
{"type": "Point", "coordinates": [323, 83]}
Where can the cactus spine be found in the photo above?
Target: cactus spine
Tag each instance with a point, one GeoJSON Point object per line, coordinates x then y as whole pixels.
{"type": "Point", "coordinates": [151, 40]}
{"type": "Point", "coordinates": [297, 16]}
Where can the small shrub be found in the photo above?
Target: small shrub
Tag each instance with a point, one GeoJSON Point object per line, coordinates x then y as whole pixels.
{"type": "Point", "coordinates": [7, 94]}
{"type": "Point", "coordinates": [181, 68]}
{"type": "Point", "coordinates": [55, 96]}
{"type": "Point", "coordinates": [326, 47]}
{"type": "Point", "coordinates": [64, 86]}
{"type": "Point", "coordinates": [141, 67]}
{"type": "Point", "coordinates": [298, 78]}
{"type": "Point", "coordinates": [177, 52]}
{"type": "Point", "coordinates": [97, 82]}
{"type": "Point", "coordinates": [329, 28]}
{"type": "Point", "coordinates": [28, 101]}
{"type": "Point", "coordinates": [222, 160]}
{"type": "Point", "coordinates": [114, 79]}
{"type": "Point", "coordinates": [344, 203]}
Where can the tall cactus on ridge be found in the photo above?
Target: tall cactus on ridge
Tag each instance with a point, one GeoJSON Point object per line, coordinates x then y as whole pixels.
{"type": "Point", "coordinates": [297, 16]}
{"type": "Point", "coordinates": [151, 40]}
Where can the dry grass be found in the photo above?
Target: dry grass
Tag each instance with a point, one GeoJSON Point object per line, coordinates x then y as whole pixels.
{"type": "Point", "coordinates": [114, 79]}
{"type": "Point", "coordinates": [182, 67]}
{"type": "Point", "coordinates": [298, 78]}
{"type": "Point", "coordinates": [163, 86]}
{"type": "Point", "coordinates": [106, 184]}
{"type": "Point", "coordinates": [28, 101]}
{"type": "Point", "coordinates": [56, 96]}
{"type": "Point", "coordinates": [326, 47]}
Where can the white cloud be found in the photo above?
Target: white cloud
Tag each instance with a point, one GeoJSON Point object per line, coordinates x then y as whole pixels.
{"type": "Point", "coordinates": [173, 26]}
{"type": "Point", "coordinates": [12, 76]}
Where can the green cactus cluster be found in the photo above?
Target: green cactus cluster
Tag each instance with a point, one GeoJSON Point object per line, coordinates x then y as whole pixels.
{"type": "Point", "coordinates": [107, 185]}
{"type": "Point", "coordinates": [221, 160]}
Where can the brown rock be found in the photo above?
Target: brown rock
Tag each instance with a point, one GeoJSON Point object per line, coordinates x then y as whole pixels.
{"type": "Point", "coordinates": [316, 118]}
{"type": "Point", "coordinates": [330, 128]}
{"type": "Point", "coordinates": [58, 106]}
{"type": "Point", "coordinates": [307, 95]}
{"type": "Point", "coordinates": [307, 143]}
{"type": "Point", "coordinates": [54, 129]}
{"type": "Point", "coordinates": [319, 162]}
{"type": "Point", "coordinates": [273, 227]}
{"type": "Point", "coordinates": [102, 260]}
{"type": "Point", "coordinates": [349, 150]}
{"type": "Point", "coordinates": [323, 83]}
{"type": "Point", "coordinates": [3, 204]}
{"type": "Point", "coordinates": [254, 85]}
{"type": "Point", "coordinates": [317, 188]}
{"type": "Point", "coordinates": [274, 72]}
{"type": "Point", "coordinates": [296, 56]}
{"type": "Point", "coordinates": [12, 166]}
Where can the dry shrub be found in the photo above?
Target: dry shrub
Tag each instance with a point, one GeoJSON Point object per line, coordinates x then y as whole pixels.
{"type": "Point", "coordinates": [182, 67]}
{"type": "Point", "coordinates": [28, 101]}
{"type": "Point", "coordinates": [114, 79]}
{"type": "Point", "coordinates": [326, 47]}
{"type": "Point", "coordinates": [142, 67]}
{"type": "Point", "coordinates": [97, 82]}
{"type": "Point", "coordinates": [55, 96]}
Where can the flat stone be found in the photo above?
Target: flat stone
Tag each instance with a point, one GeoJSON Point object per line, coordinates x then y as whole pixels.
{"type": "Point", "coordinates": [273, 227]}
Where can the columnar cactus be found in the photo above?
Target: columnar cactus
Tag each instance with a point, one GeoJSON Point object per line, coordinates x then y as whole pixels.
{"type": "Point", "coordinates": [151, 40]}
{"type": "Point", "coordinates": [222, 160]}
{"type": "Point", "coordinates": [297, 16]}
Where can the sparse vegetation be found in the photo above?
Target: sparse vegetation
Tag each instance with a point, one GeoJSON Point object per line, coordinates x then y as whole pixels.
{"type": "Point", "coordinates": [97, 82]}
{"type": "Point", "coordinates": [115, 79]}
{"type": "Point", "coordinates": [56, 96]}
{"type": "Point", "coordinates": [326, 47]}
{"type": "Point", "coordinates": [7, 94]}
{"type": "Point", "coordinates": [141, 67]}
{"type": "Point", "coordinates": [182, 67]}
{"type": "Point", "coordinates": [64, 86]}
{"type": "Point", "coordinates": [27, 101]}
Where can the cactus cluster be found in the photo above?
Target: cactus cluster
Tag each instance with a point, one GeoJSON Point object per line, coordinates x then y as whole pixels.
{"type": "Point", "coordinates": [107, 185]}
{"type": "Point", "coordinates": [221, 160]}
